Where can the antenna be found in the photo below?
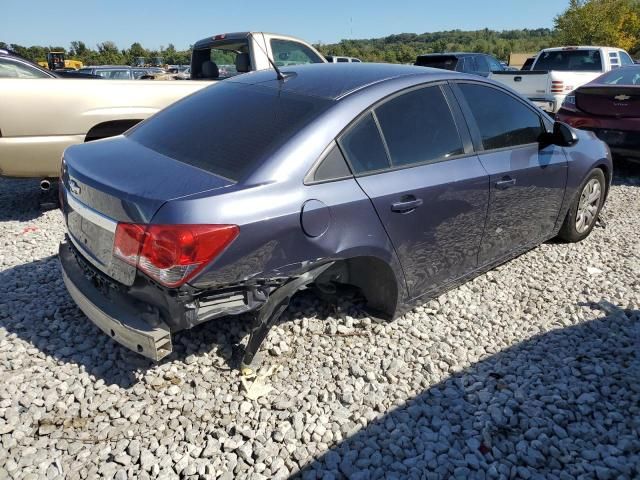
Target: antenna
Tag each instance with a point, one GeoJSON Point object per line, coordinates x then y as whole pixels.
{"type": "Point", "coordinates": [279, 75]}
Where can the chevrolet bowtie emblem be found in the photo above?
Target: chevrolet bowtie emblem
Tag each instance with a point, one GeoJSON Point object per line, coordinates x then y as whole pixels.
{"type": "Point", "coordinates": [74, 187]}
{"type": "Point", "coordinates": [622, 98]}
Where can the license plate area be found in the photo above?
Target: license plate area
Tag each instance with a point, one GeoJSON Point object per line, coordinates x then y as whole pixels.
{"type": "Point", "coordinates": [93, 236]}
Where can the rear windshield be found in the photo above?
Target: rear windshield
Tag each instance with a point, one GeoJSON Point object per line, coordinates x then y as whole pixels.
{"type": "Point", "coordinates": [445, 62]}
{"type": "Point", "coordinates": [228, 129]}
{"type": "Point", "coordinates": [570, 60]}
{"type": "Point", "coordinates": [622, 76]}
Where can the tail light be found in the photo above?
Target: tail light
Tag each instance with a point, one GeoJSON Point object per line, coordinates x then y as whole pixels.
{"type": "Point", "coordinates": [557, 86]}
{"type": "Point", "coordinates": [171, 254]}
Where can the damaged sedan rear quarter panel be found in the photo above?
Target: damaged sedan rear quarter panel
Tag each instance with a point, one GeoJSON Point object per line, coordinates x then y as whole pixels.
{"type": "Point", "coordinates": [289, 223]}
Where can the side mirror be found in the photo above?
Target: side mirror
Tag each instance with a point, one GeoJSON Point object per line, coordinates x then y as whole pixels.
{"type": "Point", "coordinates": [563, 135]}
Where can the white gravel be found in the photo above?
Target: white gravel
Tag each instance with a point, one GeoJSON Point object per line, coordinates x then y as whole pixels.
{"type": "Point", "coordinates": [529, 371]}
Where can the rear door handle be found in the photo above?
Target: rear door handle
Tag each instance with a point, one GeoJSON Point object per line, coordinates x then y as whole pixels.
{"type": "Point", "coordinates": [406, 206]}
{"type": "Point", "coordinates": [502, 184]}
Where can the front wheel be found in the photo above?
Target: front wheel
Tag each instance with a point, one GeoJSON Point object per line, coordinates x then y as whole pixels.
{"type": "Point", "coordinates": [584, 211]}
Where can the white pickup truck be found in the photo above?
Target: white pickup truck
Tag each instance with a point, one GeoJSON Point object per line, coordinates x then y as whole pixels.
{"type": "Point", "coordinates": [41, 114]}
{"type": "Point", "coordinates": [558, 71]}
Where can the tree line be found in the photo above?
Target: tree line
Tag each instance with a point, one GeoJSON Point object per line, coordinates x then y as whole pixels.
{"type": "Point", "coordinates": [584, 22]}
{"type": "Point", "coordinates": [105, 53]}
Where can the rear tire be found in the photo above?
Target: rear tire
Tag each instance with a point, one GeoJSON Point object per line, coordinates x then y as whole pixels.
{"type": "Point", "coordinates": [586, 206]}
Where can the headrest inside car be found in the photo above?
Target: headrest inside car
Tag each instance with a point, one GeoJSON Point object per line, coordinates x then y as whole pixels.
{"type": "Point", "coordinates": [243, 62]}
{"type": "Point", "coordinates": [210, 70]}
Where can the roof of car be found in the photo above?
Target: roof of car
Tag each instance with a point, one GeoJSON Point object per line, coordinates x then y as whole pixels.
{"type": "Point", "coordinates": [335, 80]}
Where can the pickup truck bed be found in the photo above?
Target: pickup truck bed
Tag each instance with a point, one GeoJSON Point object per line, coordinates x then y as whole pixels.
{"type": "Point", "coordinates": [545, 89]}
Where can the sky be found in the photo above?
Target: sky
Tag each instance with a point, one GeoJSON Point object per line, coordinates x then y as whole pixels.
{"type": "Point", "coordinates": [156, 23]}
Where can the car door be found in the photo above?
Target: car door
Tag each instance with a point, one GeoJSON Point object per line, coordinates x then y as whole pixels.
{"type": "Point", "coordinates": [528, 178]}
{"type": "Point", "coordinates": [416, 164]}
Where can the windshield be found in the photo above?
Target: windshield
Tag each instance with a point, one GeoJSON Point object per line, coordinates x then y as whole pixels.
{"type": "Point", "coordinates": [445, 62]}
{"type": "Point", "coordinates": [622, 76]}
{"type": "Point", "coordinates": [570, 61]}
{"type": "Point", "coordinates": [229, 129]}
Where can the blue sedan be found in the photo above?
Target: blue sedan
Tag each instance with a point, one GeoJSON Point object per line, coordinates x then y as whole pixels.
{"type": "Point", "coordinates": [401, 181]}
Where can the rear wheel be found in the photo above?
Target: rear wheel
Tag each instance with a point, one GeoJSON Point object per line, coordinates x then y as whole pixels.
{"type": "Point", "coordinates": [584, 211]}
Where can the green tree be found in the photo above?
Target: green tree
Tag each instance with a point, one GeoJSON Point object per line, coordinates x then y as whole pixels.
{"type": "Point", "coordinates": [614, 23]}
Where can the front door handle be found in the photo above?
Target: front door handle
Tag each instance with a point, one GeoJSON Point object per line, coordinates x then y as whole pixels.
{"type": "Point", "coordinates": [502, 184]}
{"type": "Point", "coordinates": [406, 205]}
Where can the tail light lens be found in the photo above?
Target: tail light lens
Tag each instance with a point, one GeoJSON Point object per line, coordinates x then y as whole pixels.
{"type": "Point", "coordinates": [557, 86]}
{"type": "Point", "coordinates": [171, 254]}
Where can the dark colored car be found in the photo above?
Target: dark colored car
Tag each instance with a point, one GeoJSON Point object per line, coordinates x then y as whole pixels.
{"type": "Point", "coordinates": [610, 107]}
{"type": "Point", "coordinates": [401, 181]}
{"type": "Point", "coordinates": [473, 63]}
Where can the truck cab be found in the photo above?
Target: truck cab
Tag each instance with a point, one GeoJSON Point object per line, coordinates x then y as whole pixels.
{"type": "Point", "coordinates": [556, 72]}
{"type": "Point", "coordinates": [228, 54]}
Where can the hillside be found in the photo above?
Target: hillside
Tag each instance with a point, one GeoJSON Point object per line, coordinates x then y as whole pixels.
{"type": "Point", "coordinates": [404, 47]}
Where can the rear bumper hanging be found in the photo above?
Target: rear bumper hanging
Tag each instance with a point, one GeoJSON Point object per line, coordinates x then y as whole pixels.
{"type": "Point", "coordinates": [118, 317]}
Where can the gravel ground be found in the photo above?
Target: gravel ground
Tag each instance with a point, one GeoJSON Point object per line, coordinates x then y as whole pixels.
{"type": "Point", "coordinates": [529, 371]}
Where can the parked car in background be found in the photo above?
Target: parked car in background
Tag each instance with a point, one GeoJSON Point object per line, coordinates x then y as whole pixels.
{"type": "Point", "coordinates": [338, 59]}
{"type": "Point", "coordinates": [474, 63]}
{"type": "Point", "coordinates": [184, 74]}
{"type": "Point", "coordinates": [111, 72]}
{"type": "Point", "coordinates": [398, 180]}
{"type": "Point", "coordinates": [229, 54]}
{"type": "Point", "coordinates": [557, 71]}
{"type": "Point", "coordinates": [609, 106]}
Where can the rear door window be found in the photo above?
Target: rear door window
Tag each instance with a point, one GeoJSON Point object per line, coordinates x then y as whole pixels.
{"type": "Point", "coordinates": [502, 120]}
{"type": "Point", "coordinates": [332, 167]}
{"type": "Point", "coordinates": [469, 65]}
{"type": "Point", "coordinates": [230, 129]}
{"type": "Point", "coordinates": [363, 146]}
{"type": "Point", "coordinates": [418, 127]}
{"type": "Point", "coordinates": [289, 52]}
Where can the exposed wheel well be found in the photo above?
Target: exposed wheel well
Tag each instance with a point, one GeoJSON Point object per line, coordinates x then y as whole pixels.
{"type": "Point", "coordinates": [373, 277]}
{"type": "Point", "coordinates": [109, 129]}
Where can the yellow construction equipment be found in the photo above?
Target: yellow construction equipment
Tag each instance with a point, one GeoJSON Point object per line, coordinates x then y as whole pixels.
{"type": "Point", "coordinates": [57, 61]}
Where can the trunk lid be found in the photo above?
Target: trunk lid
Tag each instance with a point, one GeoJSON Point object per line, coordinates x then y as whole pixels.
{"type": "Point", "coordinates": [609, 100]}
{"type": "Point", "coordinates": [119, 180]}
